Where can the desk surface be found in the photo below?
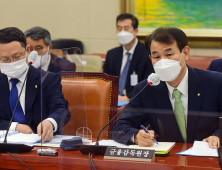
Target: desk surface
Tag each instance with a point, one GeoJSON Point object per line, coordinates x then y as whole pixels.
{"type": "Point", "coordinates": [75, 160]}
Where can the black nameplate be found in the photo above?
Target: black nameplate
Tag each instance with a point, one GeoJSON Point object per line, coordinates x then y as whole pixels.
{"type": "Point", "coordinates": [130, 154]}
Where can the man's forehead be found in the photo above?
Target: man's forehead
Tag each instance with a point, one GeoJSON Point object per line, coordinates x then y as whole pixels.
{"type": "Point", "coordinates": [160, 46]}
{"type": "Point", "coordinates": [124, 22]}
{"type": "Point", "coordinates": [10, 49]}
{"type": "Point", "coordinates": [33, 42]}
{"type": "Point", "coordinates": [14, 45]}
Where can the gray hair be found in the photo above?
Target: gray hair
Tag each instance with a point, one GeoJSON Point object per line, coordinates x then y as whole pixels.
{"type": "Point", "coordinates": [36, 33]}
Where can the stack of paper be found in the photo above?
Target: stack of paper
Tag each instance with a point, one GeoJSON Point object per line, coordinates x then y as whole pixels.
{"type": "Point", "coordinates": [163, 146]}
{"type": "Point", "coordinates": [22, 138]}
{"type": "Point", "coordinates": [109, 143]}
{"type": "Point", "coordinates": [3, 132]}
{"type": "Point", "coordinates": [32, 139]}
{"type": "Point", "coordinates": [200, 148]}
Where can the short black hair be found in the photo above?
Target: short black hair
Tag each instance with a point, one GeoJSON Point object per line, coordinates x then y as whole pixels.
{"type": "Point", "coordinates": [36, 33]}
{"type": "Point", "coordinates": [121, 17]}
{"type": "Point", "coordinates": [167, 35]}
{"type": "Point", "coordinates": [10, 34]}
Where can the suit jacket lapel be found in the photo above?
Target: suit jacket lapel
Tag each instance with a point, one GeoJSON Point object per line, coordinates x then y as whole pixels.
{"type": "Point", "coordinates": [118, 61]}
{"type": "Point", "coordinates": [195, 97]}
{"type": "Point", "coordinates": [4, 91]}
{"type": "Point", "coordinates": [32, 86]}
{"type": "Point", "coordinates": [163, 102]}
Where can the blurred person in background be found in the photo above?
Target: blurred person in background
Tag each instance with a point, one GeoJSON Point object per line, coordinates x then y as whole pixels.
{"type": "Point", "coordinates": [130, 62]}
{"type": "Point", "coordinates": [39, 40]}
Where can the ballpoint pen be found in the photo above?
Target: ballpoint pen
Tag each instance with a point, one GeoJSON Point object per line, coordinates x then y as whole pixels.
{"type": "Point", "coordinates": [148, 133]}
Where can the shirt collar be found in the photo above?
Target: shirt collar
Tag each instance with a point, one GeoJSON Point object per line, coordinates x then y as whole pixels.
{"type": "Point", "coordinates": [131, 51]}
{"type": "Point", "coordinates": [182, 87]}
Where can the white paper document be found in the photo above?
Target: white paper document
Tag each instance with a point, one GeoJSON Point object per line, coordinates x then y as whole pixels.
{"type": "Point", "coordinates": [200, 148]}
{"type": "Point", "coordinates": [110, 143]}
{"type": "Point", "coordinates": [22, 138]}
{"type": "Point", "coordinates": [163, 146]}
{"type": "Point", "coordinates": [3, 132]}
{"type": "Point", "coordinates": [33, 139]}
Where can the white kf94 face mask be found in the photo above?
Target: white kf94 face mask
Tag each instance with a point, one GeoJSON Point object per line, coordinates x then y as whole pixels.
{"type": "Point", "coordinates": [167, 69]}
{"type": "Point", "coordinates": [125, 37]}
{"type": "Point", "coordinates": [14, 69]}
{"type": "Point", "coordinates": [37, 62]}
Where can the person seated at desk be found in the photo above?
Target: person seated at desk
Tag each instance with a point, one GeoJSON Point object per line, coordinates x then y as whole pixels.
{"type": "Point", "coordinates": [27, 119]}
{"type": "Point", "coordinates": [215, 65]}
{"type": "Point", "coordinates": [40, 40]}
{"type": "Point", "coordinates": [183, 108]}
{"type": "Point", "coordinates": [131, 60]}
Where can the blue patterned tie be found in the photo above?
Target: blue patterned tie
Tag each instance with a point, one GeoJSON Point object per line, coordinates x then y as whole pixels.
{"type": "Point", "coordinates": [122, 79]}
{"type": "Point", "coordinates": [19, 115]}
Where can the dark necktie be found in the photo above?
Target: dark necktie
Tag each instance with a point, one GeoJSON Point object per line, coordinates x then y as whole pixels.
{"type": "Point", "coordinates": [19, 115]}
{"type": "Point", "coordinates": [122, 79]}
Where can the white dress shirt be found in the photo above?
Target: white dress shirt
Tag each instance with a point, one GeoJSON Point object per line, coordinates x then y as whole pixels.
{"type": "Point", "coordinates": [22, 100]}
{"type": "Point", "coordinates": [125, 57]}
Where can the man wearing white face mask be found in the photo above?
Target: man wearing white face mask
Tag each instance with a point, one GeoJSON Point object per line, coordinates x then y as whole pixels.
{"type": "Point", "coordinates": [14, 68]}
{"type": "Point", "coordinates": [40, 40]}
{"type": "Point", "coordinates": [130, 61]}
{"type": "Point", "coordinates": [184, 107]}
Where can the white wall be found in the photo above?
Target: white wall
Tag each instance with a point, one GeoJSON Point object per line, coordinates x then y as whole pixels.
{"type": "Point", "coordinates": [91, 21]}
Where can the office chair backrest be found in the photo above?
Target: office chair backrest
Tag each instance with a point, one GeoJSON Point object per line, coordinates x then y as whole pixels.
{"type": "Point", "coordinates": [67, 43]}
{"type": "Point", "coordinates": [98, 101]}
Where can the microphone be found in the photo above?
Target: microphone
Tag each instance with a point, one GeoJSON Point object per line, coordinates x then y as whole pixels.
{"type": "Point", "coordinates": [32, 57]}
{"type": "Point", "coordinates": [17, 148]}
{"type": "Point", "coordinates": [152, 80]}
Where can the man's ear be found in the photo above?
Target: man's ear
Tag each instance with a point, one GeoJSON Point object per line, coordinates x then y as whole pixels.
{"type": "Point", "coordinates": [186, 51]}
{"type": "Point", "coordinates": [50, 46]}
{"type": "Point", "coordinates": [28, 49]}
{"type": "Point", "coordinates": [136, 31]}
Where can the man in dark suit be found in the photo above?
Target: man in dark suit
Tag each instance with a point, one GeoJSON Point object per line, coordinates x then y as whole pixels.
{"type": "Point", "coordinates": [216, 65]}
{"type": "Point", "coordinates": [55, 114]}
{"type": "Point", "coordinates": [40, 40]}
{"type": "Point", "coordinates": [184, 107]}
{"type": "Point", "coordinates": [131, 60]}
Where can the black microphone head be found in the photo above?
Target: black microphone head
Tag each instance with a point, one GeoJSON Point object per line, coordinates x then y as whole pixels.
{"type": "Point", "coordinates": [32, 56]}
{"type": "Point", "coordinates": [153, 79]}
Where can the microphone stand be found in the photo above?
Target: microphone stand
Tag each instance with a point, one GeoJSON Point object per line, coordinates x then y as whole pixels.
{"type": "Point", "coordinates": [97, 149]}
{"type": "Point", "coordinates": [97, 141]}
{"type": "Point", "coordinates": [11, 147]}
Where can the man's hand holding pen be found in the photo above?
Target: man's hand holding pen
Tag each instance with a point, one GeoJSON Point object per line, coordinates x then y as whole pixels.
{"type": "Point", "coordinates": [144, 139]}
